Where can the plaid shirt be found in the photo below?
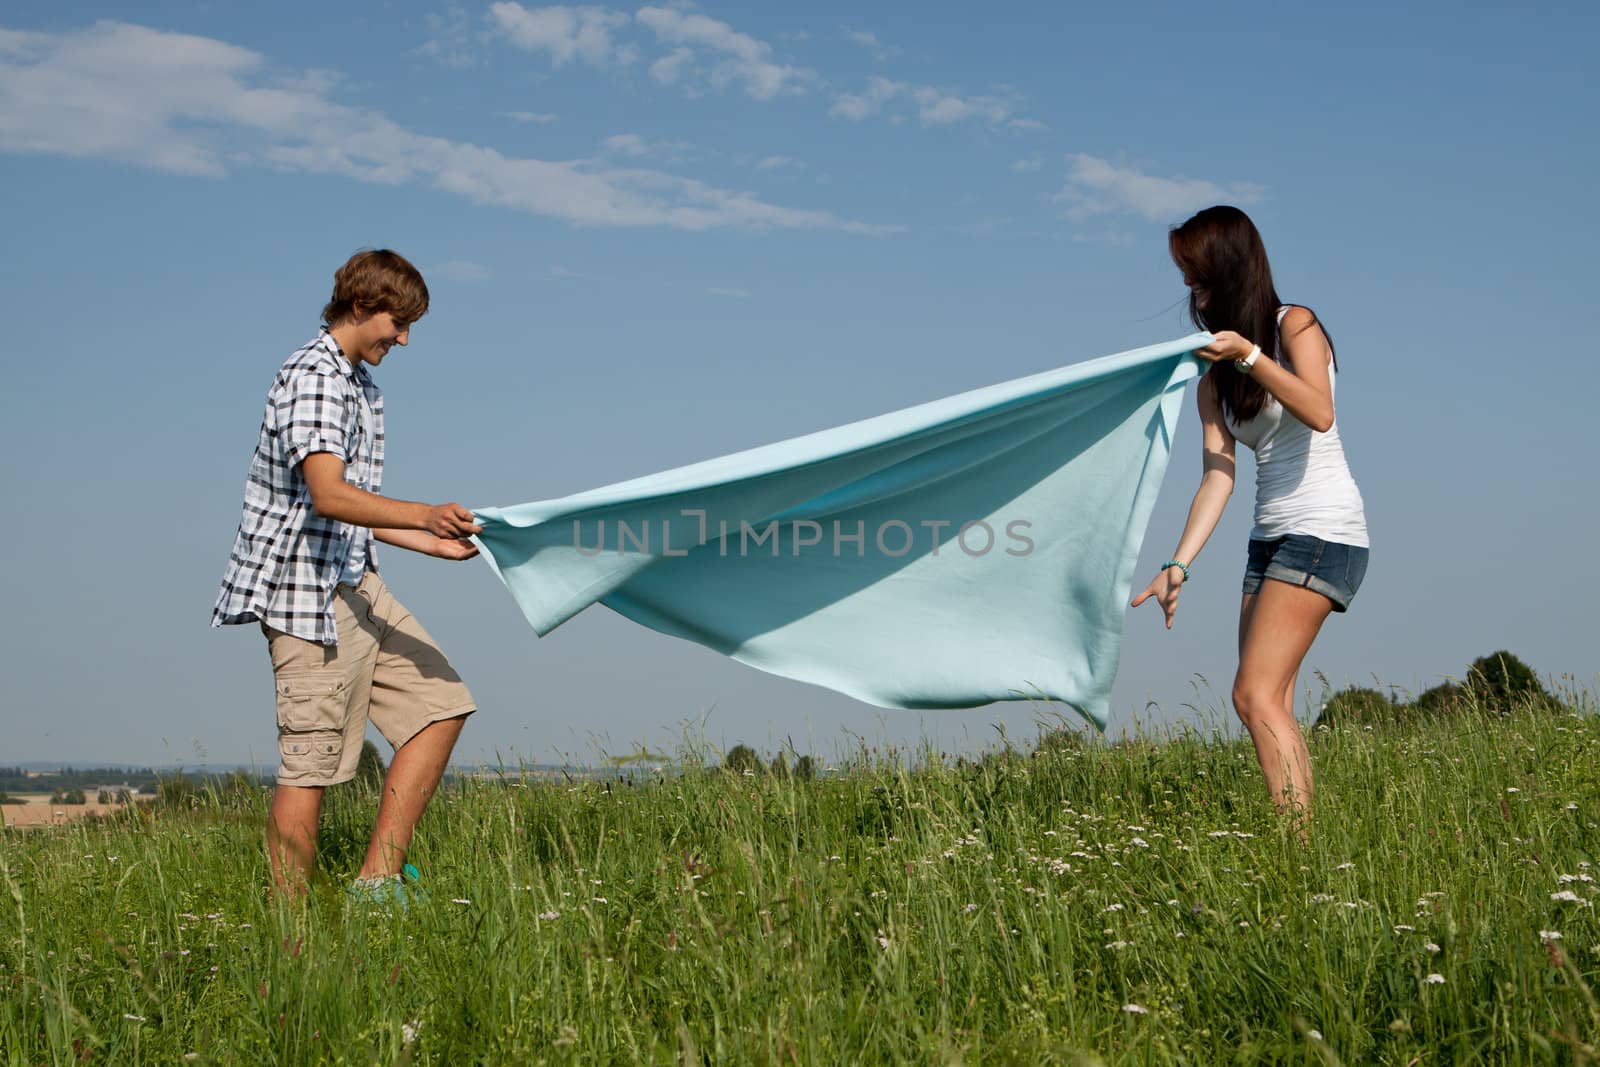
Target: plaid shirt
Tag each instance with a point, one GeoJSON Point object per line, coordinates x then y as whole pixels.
{"type": "Point", "coordinates": [286, 559]}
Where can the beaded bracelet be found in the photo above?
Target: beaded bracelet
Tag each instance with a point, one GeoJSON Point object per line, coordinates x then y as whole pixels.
{"type": "Point", "coordinates": [1180, 566]}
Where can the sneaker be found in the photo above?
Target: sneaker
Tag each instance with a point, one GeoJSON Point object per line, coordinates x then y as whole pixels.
{"type": "Point", "coordinates": [388, 891]}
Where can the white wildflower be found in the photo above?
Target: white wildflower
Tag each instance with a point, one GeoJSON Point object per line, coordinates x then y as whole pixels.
{"type": "Point", "coordinates": [1136, 1009]}
{"type": "Point", "coordinates": [1345, 867]}
{"type": "Point", "coordinates": [409, 1030]}
{"type": "Point", "coordinates": [1118, 946]}
{"type": "Point", "coordinates": [1139, 842]}
{"type": "Point", "coordinates": [460, 900]}
{"type": "Point", "coordinates": [1315, 1035]}
{"type": "Point", "coordinates": [1434, 979]}
{"type": "Point", "coordinates": [883, 940]}
{"type": "Point", "coordinates": [133, 1018]}
{"type": "Point", "coordinates": [1550, 935]}
{"type": "Point", "coordinates": [1402, 928]}
{"type": "Point", "coordinates": [970, 908]}
{"type": "Point", "coordinates": [549, 916]}
{"type": "Point", "coordinates": [1568, 896]}
{"type": "Point", "coordinates": [1430, 948]}
{"type": "Point", "coordinates": [1111, 907]}
{"type": "Point", "coordinates": [1509, 789]}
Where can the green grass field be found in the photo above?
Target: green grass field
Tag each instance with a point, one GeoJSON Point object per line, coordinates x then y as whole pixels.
{"type": "Point", "coordinates": [1130, 903]}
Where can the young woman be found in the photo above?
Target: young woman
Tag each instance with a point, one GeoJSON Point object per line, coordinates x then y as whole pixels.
{"type": "Point", "coordinates": [1270, 385]}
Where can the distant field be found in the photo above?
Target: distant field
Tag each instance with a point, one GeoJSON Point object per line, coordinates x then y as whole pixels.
{"type": "Point", "coordinates": [36, 810]}
{"type": "Point", "coordinates": [1136, 903]}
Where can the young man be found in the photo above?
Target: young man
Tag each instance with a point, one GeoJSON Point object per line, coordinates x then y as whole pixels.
{"type": "Point", "coordinates": [343, 650]}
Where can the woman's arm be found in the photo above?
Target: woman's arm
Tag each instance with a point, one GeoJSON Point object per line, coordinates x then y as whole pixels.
{"type": "Point", "coordinates": [1210, 499]}
{"type": "Point", "coordinates": [1305, 392]}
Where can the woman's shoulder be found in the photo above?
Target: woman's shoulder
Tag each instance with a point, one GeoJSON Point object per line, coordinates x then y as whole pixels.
{"type": "Point", "coordinates": [1296, 315]}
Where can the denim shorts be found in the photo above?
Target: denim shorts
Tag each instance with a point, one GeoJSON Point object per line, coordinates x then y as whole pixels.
{"type": "Point", "coordinates": [1329, 568]}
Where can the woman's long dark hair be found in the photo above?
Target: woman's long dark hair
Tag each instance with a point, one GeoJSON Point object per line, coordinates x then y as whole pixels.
{"type": "Point", "coordinates": [1225, 265]}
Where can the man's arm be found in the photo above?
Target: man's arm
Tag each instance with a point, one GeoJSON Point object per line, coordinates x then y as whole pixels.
{"type": "Point", "coordinates": [424, 542]}
{"type": "Point", "coordinates": [334, 498]}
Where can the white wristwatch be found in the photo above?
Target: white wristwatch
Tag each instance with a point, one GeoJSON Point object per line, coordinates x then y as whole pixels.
{"type": "Point", "coordinates": [1243, 365]}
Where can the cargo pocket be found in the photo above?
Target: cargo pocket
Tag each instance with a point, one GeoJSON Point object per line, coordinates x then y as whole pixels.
{"type": "Point", "coordinates": [311, 718]}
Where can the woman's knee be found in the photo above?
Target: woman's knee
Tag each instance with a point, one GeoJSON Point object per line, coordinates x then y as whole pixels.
{"type": "Point", "coordinates": [1257, 703]}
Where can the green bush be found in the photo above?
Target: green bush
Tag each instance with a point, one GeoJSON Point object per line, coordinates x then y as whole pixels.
{"type": "Point", "coordinates": [369, 768]}
{"type": "Point", "coordinates": [741, 758]}
{"type": "Point", "coordinates": [1358, 706]}
{"type": "Point", "coordinates": [1500, 682]}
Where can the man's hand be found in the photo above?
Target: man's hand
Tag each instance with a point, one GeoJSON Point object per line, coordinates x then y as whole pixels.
{"type": "Point", "coordinates": [451, 522]}
{"type": "Point", "coordinates": [450, 548]}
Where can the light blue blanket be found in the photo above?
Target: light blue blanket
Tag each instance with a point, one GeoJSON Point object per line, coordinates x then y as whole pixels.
{"type": "Point", "coordinates": [964, 551]}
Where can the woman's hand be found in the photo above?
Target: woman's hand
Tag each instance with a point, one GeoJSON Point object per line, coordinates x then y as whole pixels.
{"type": "Point", "coordinates": [1165, 590]}
{"type": "Point", "coordinates": [1225, 344]}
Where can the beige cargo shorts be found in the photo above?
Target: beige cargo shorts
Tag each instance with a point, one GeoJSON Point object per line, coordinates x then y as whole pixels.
{"type": "Point", "coordinates": [385, 669]}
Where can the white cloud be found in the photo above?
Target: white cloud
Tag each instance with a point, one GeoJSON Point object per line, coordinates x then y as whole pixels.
{"type": "Point", "coordinates": [857, 106]}
{"type": "Point", "coordinates": [196, 106]}
{"type": "Point", "coordinates": [934, 107]}
{"type": "Point", "coordinates": [777, 162]}
{"type": "Point", "coordinates": [738, 294]}
{"type": "Point", "coordinates": [626, 144]}
{"type": "Point", "coordinates": [1028, 165]}
{"type": "Point", "coordinates": [566, 273]}
{"type": "Point", "coordinates": [732, 57]}
{"type": "Point", "coordinates": [636, 147]}
{"type": "Point", "coordinates": [536, 118]}
{"type": "Point", "coordinates": [566, 33]}
{"type": "Point", "coordinates": [455, 39]}
{"type": "Point", "coordinates": [670, 67]}
{"type": "Point", "coordinates": [460, 270]}
{"type": "Point", "coordinates": [869, 40]}
{"type": "Point", "coordinates": [1098, 187]}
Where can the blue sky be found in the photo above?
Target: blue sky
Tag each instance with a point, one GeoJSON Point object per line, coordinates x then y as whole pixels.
{"type": "Point", "coordinates": [657, 234]}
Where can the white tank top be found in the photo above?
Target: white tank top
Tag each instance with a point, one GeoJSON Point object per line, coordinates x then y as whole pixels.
{"type": "Point", "coordinates": [1303, 484]}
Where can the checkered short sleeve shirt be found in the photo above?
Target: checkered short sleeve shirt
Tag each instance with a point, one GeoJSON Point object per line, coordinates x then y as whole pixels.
{"type": "Point", "coordinates": [286, 559]}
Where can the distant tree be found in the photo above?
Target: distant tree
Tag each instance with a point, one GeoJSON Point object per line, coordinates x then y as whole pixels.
{"type": "Point", "coordinates": [175, 791]}
{"type": "Point", "coordinates": [805, 768]}
{"type": "Point", "coordinates": [779, 766]}
{"type": "Point", "coordinates": [1500, 682]}
{"type": "Point", "coordinates": [237, 789]}
{"type": "Point", "coordinates": [1053, 742]}
{"type": "Point", "coordinates": [1446, 698]}
{"type": "Point", "coordinates": [68, 797]}
{"type": "Point", "coordinates": [104, 797]}
{"type": "Point", "coordinates": [369, 768]}
{"type": "Point", "coordinates": [7, 798]}
{"type": "Point", "coordinates": [741, 758]}
{"type": "Point", "coordinates": [1357, 706]}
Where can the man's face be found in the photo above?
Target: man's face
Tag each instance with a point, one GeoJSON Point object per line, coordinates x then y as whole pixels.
{"type": "Point", "coordinates": [378, 333]}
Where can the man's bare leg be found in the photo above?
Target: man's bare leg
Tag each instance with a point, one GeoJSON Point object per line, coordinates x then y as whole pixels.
{"type": "Point", "coordinates": [292, 836]}
{"type": "Point", "coordinates": [413, 776]}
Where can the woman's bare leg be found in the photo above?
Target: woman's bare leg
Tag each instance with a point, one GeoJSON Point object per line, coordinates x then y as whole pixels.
{"type": "Point", "coordinates": [1277, 626]}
